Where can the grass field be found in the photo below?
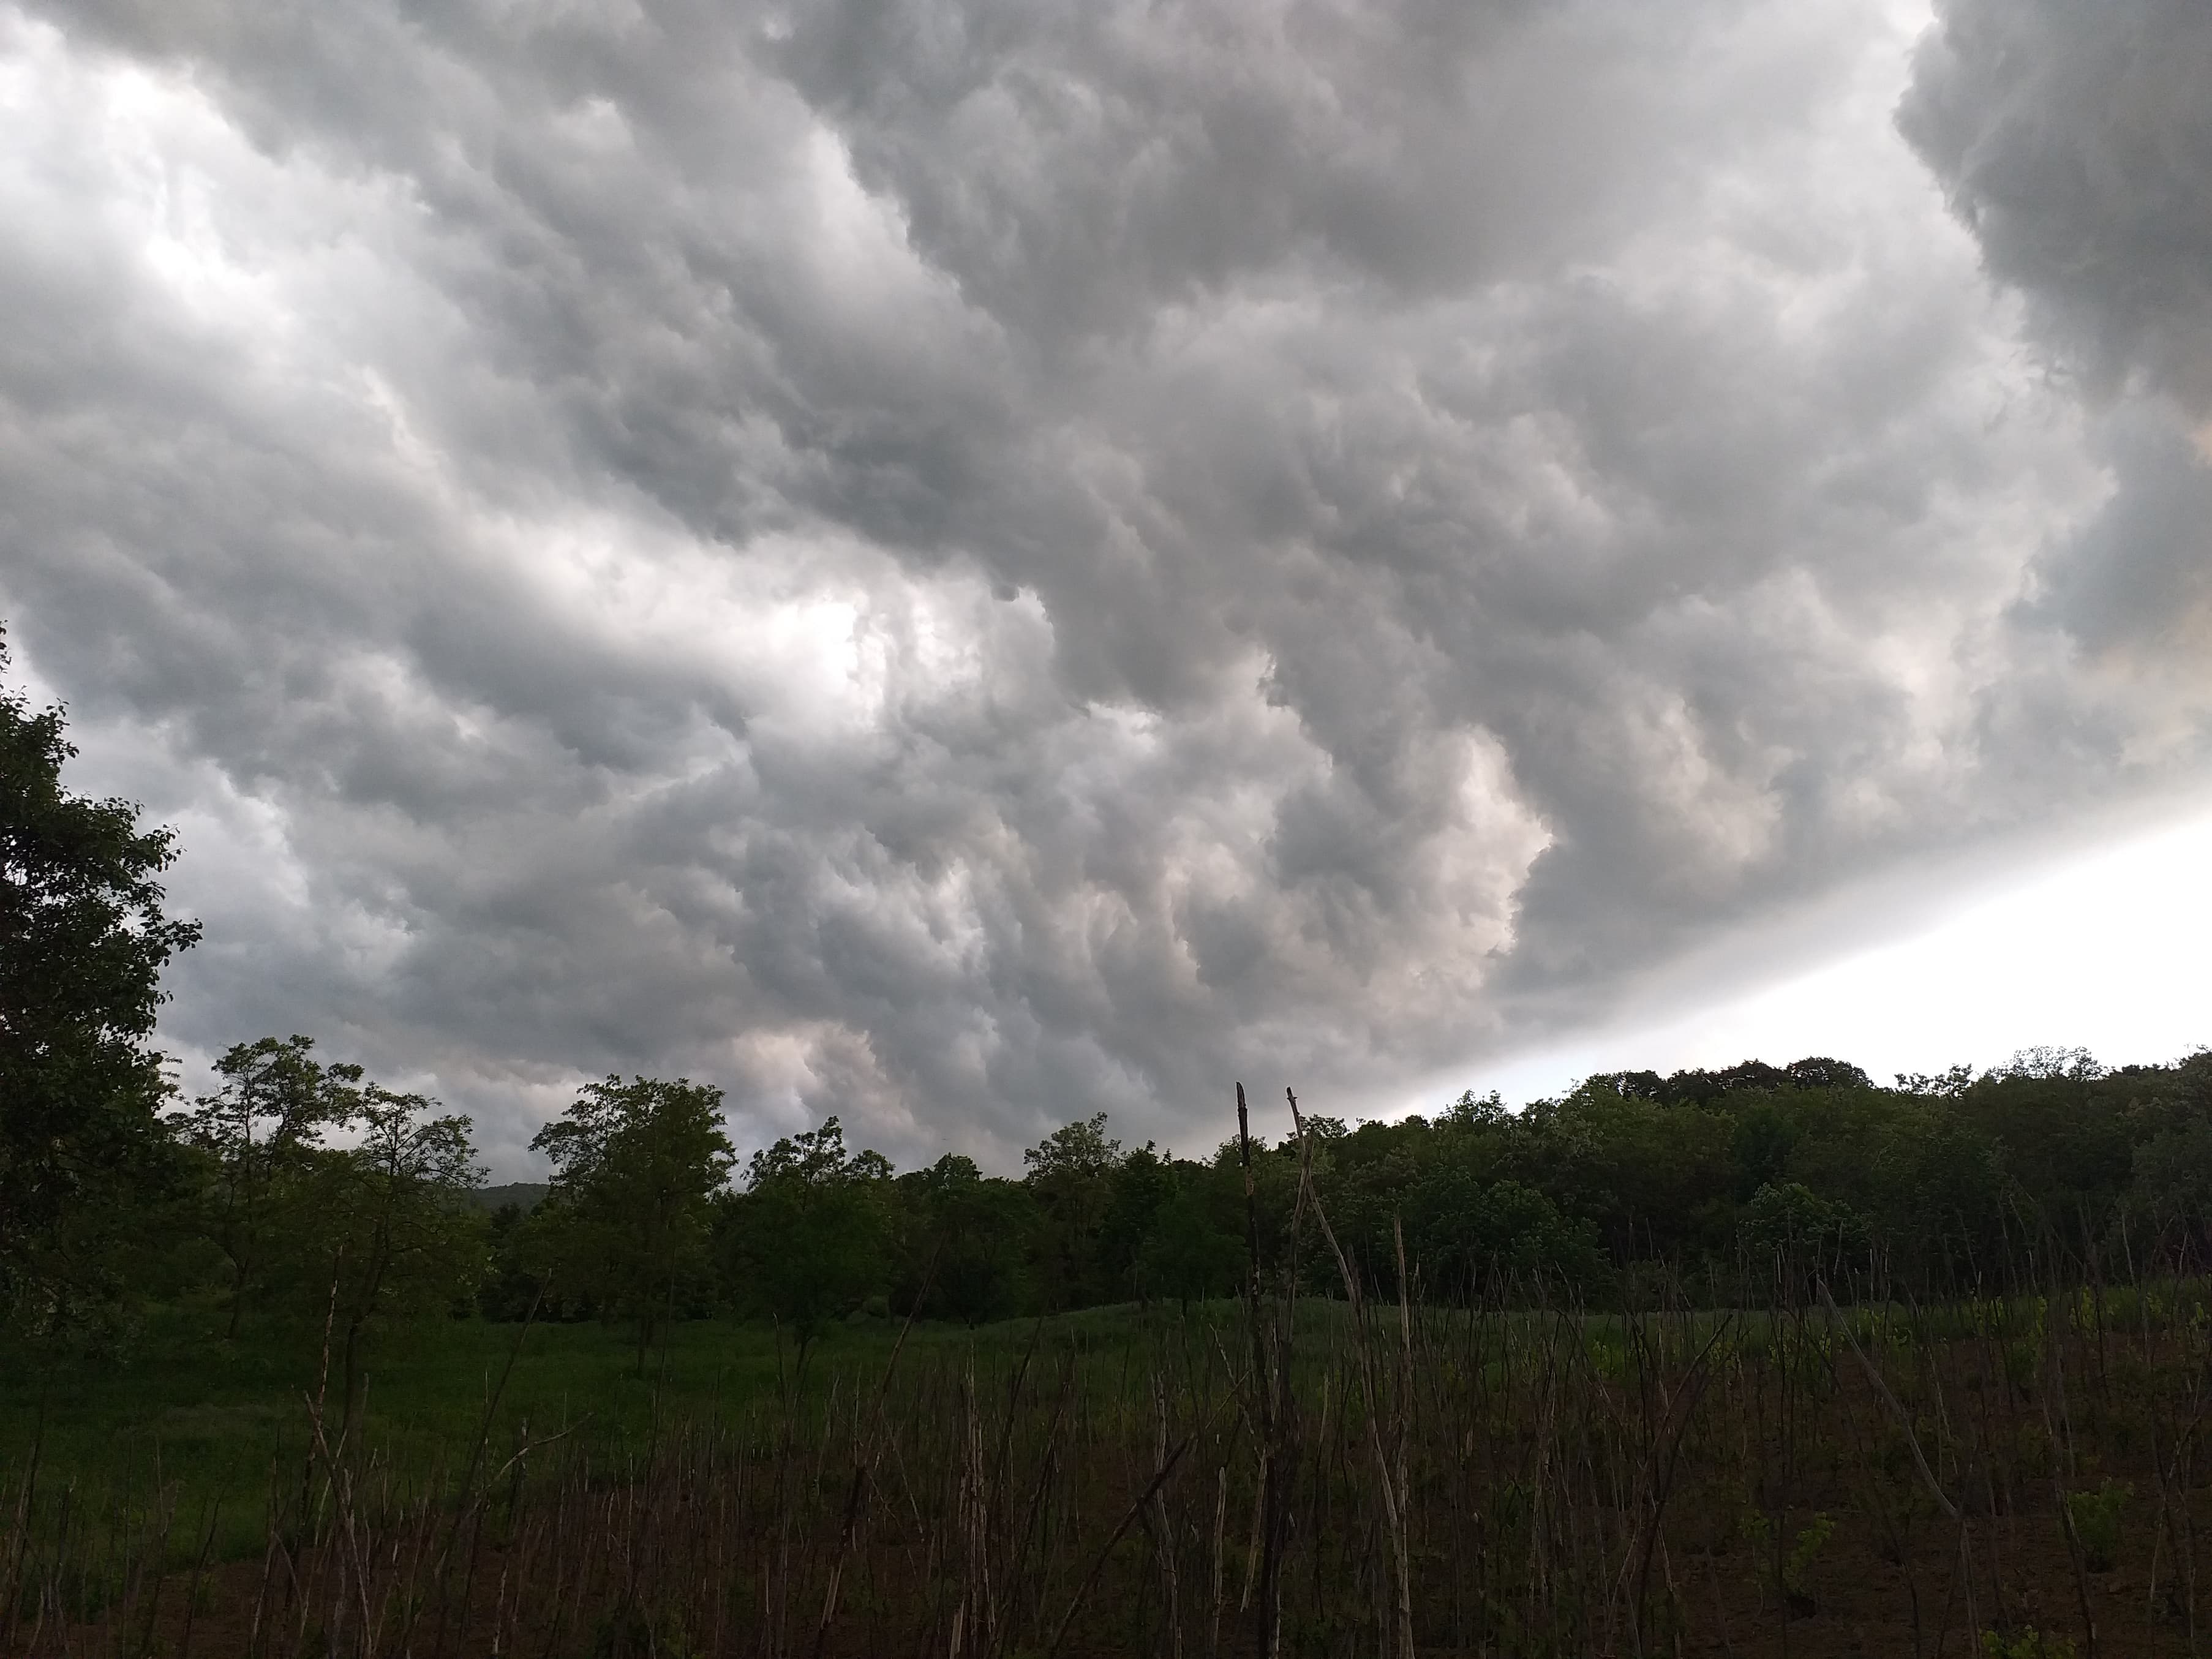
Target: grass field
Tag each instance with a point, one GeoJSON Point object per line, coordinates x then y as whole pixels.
{"type": "Point", "coordinates": [2020, 1477]}
{"type": "Point", "coordinates": [210, 1419]}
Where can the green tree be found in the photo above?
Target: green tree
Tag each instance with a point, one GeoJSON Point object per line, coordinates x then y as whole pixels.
{"type": "Point", "coordinates": [1193, 1250]}
{"type": "Point", "coordinates": [395, 1222]}
{"type": "Point", "coordinates": [83, 939]}
{"type": "Point", "coordinates": [1070, 1173]}
{"type": "Point", "coordinates": [1136, 1188]}
{"type": "Point", "coordinates": [351, 1238]}
{"type": "Point", "coordinates": [2060, 1133]}
{"type": "Point", "coordinates": [257, 1139]}
{"type": "Point", "coordinates": [807, 1237]}
{"type": "Point", "coordinates": [2171, 1116]}
{"type": "Point", "coordinates": [636, 1166]}
{"type": "Point", "coordinates": [1792, 1236]}
{"type": "Point", "coordinates": [969, 1233]}
{"type": "Point", "coordinates": [1469, 1236]}
{"type": "Point", "coordinates": [510, 1289]}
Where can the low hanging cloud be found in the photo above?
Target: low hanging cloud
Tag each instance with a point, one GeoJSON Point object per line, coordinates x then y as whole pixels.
{"type": "Point", "coordinates": [963, 564]}
{"type": "Point", "coordinates": [2078, 147]}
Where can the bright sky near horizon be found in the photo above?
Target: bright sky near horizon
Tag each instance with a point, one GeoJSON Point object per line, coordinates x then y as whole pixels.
{"type": "Point", "coordinates": [2108, 949]}
{"type": "Point", "coordinates": [971, 563]}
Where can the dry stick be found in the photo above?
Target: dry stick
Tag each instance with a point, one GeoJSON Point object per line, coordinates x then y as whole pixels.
{"type": "Point", "coordinates": [268, 1562]}
{"type": "Point", "coordinates": [1318, 1527]}
{"type": "Point", "coordinates": [49, 1592]}
{"type": "Point", "coordinates": [1392, 1498]}
{"type": "Point", "coordinates": [200, 1567]}
{"type": "Point", "coordinates": [1220, 1521]}
{"type": "Point", "coordinates": [342, 1495]}
{"type": "Point", "coordinates": [1287, 1438]}
{"type": "Point", "coordinates": [2160, 1470]}
{"type": "Point", "coordinates": [2055, 1426]}
{"type": "Point", "coordinates": [1664, 1471]}
{"type": "Point", "coordinates": [1405, 1356]}
{"type": "Point", "coordinates": [341, 1483]}
{"type": "Point", "coordinates": [1905, 1421]}
{"type": "Point", "coordinates": [23, 1505]}
{"type": "Point", "coordinates": [1000, 1482]}
{"type": "Point", "coordinates": [864, 1463]}
{"type": "Point", "coordinates": [1158, 1520]}
{"type": "Point", "coordinates": [972, 1516]}
{"type": "Point", "coordinates": [468, 1481]}
{"type": "Point", "coordinates": [1267, 1501]}
{"type": "Point", "coordinates": [1252, 1542]}
{"type": "Point", "coordinates": [1899, 1537]}
{"type": "Point", "coordinates": [1033, 1511]}
{"type": "Point", "coordinates": [1136, 1509]}
{"type": "Point", "coordinates": [1925, 1346]}
{"type": "Point", "coordinates": [159, 1524]}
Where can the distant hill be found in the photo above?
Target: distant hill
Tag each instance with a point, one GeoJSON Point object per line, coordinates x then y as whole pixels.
{"type": "Point", "coordinates": [526, 1194]}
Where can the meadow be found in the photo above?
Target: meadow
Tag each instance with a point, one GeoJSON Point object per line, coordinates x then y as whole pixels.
{"type": "Point", "coordinates": [2008, 1475]}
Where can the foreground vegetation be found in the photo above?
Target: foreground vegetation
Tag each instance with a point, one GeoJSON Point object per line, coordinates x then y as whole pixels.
{"type": "Point", "coordinates": [1804, 1471]}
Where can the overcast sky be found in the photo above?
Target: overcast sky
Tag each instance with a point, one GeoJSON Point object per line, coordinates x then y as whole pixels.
{"type": "Point", "coordinates": [962, 563]}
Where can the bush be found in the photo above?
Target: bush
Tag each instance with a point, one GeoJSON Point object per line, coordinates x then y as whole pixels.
{"type": "Point", "coordinates": [2095, 1519]}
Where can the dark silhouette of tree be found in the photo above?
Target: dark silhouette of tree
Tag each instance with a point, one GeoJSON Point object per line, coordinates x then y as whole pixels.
{"type": "Point", "coordinates": [1070, 1175]}
{"type": "Point", "coordinates": [353, 1236]}
{"type": "Point", "coordinates": [807, 1237]}
{"type": "Point", "coordinates": [1192, 1249]}
{"type": "Point", "coordinates": [83, 939]}
{"type": "Point", "coordinates": [968, 1235]}
{"type": "Point", "coordinates": [393, 1219]}
{"type": "Point", "coordinates": [258, 1138]}
{"type": "Point", "coordinates": [636, 1166]}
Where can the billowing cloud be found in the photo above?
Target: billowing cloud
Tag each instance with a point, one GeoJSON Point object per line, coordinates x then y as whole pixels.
{"type": "Point", "coordinates": [2078, 148]}
{"type": "Point", "coordinates": [966, 564]}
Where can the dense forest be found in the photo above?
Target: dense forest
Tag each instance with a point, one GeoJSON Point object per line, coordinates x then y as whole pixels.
{"type": "Point", "coordinates": [298, 1180]}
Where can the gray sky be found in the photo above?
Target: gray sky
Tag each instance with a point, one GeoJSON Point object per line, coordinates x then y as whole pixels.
{"type": "Point", "coordinates": [963, 564]}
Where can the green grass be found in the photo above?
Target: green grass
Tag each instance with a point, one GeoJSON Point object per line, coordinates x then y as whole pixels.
{"type": "Point", "coordinates": [212, 1418]}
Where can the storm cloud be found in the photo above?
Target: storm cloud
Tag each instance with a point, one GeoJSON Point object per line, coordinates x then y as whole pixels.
{"type": "Point", "coordinates": [963, 564]}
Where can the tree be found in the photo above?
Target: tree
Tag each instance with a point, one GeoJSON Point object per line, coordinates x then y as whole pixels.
{"type": "Point", "coordinates": [807, 1237]}
{"type": "Point", "coordinates": [1791, 1234]}
{"type": "Point", "coordinates": [1070, 1173]}
{"type": "Point", "coordinates": [357, 1235]}
{"type": "Point", "coordinates": [1192, 1250]}
{"type": "Point", "coordinates": [968, 1244]}
{"type": "Point", "coordinates": [1135, 1189]}
{"type": "Point", "coordinates": [1819, 1072]}
{"type": "Point", "coordinates": [1468, 1236]}
{"type": "Point", "coordinates": [258, 1136]}
{"type": "Point", "coordinates": [636, 1166]}
{"type": "Point", "coordinates": [83, 939]}
{"type": "Point", "coordinates": [397, 1225]}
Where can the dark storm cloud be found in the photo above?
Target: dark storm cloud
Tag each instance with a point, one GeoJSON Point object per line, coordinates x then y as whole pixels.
{"type": "Point", "coordinates": [2077, 145]}
{"type": "Point", "coordinates": [2078, 142]}
{"type": "Point", "coordinates": [966, 564]}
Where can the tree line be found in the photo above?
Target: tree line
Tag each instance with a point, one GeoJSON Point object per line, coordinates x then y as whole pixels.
{"type": "Point", "coordinates": [303, 1192]}
{"type": "Point", "coordinates": [1698, 1174]}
